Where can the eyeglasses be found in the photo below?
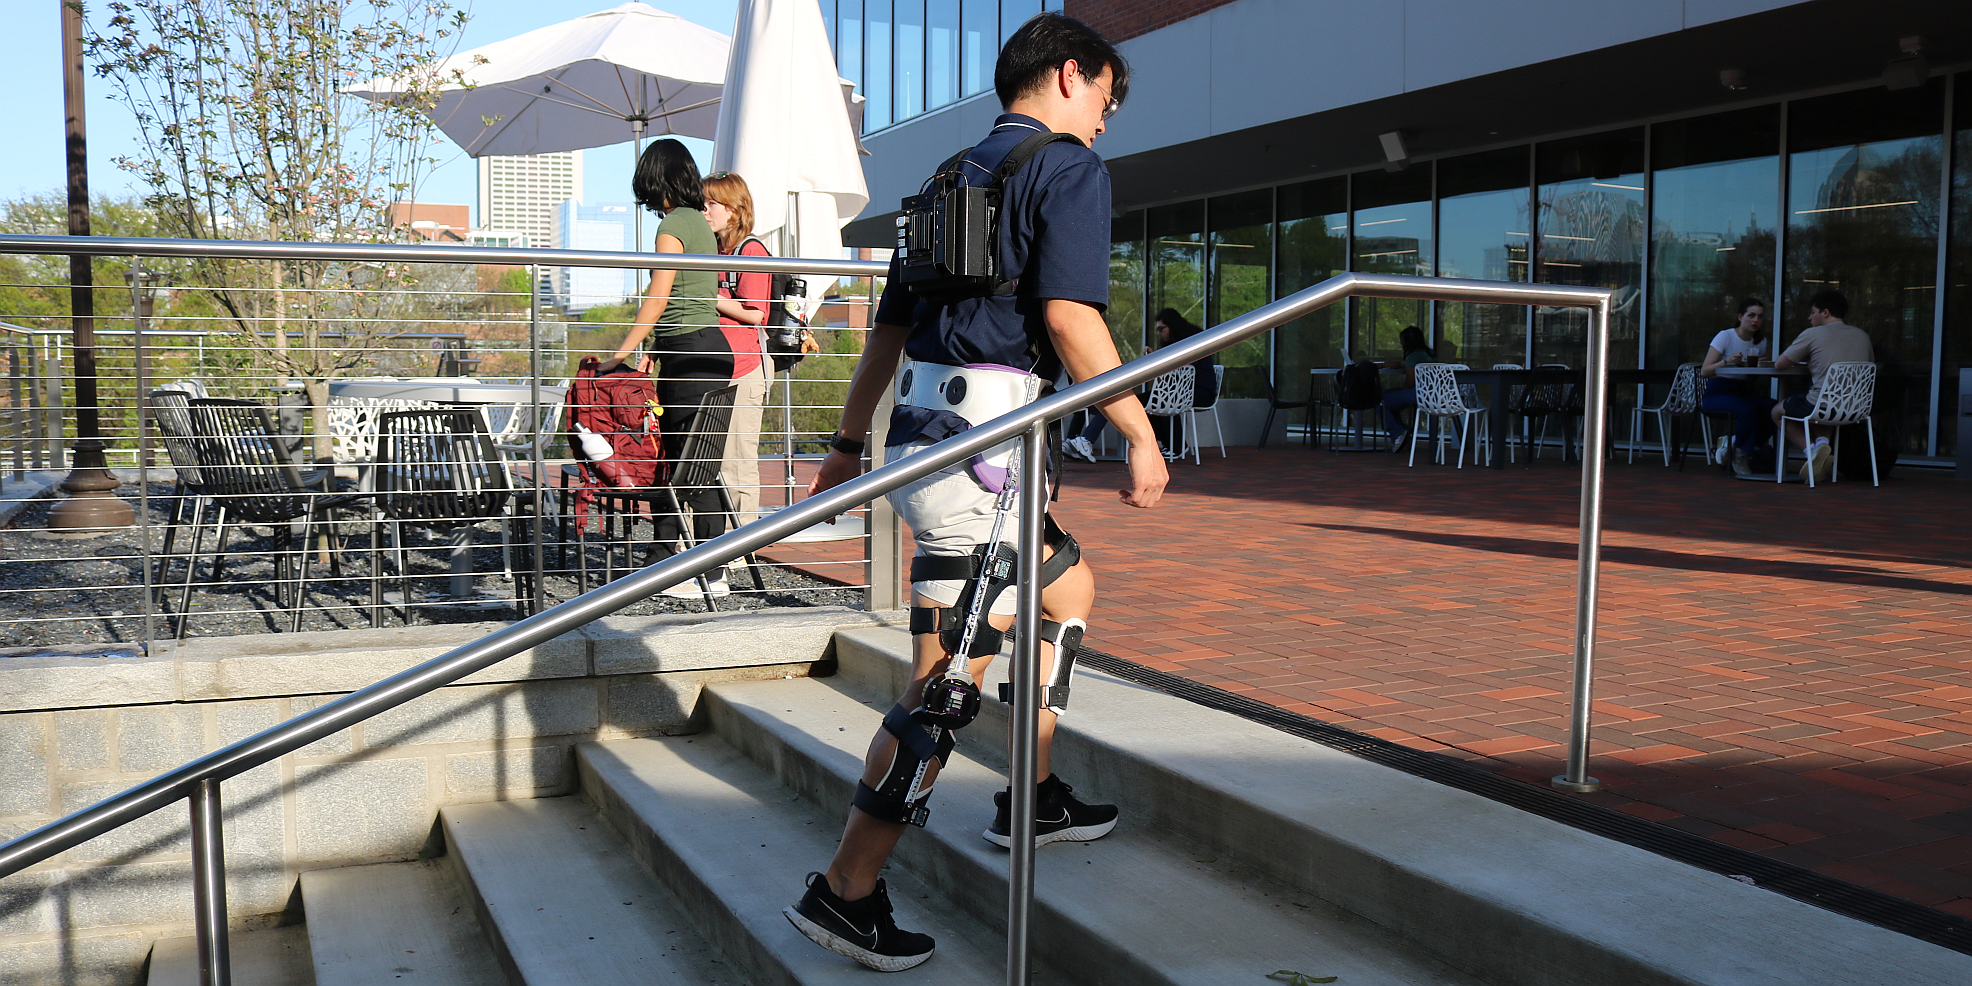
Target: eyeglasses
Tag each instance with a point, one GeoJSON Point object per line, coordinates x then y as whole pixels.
{"type": "Point", "coordinates": [1110, 105]}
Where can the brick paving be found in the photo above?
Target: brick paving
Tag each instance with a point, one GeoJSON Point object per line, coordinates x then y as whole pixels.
{"type": "Point", "coordinates": [1781, 669]}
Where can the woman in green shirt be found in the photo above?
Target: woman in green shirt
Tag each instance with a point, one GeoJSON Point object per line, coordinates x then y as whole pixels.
{"type": "Point", "coordinates": [679, 318]}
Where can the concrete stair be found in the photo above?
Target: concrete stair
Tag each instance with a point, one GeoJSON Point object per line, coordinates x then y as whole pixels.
{"type": "Point", "coordinates": [1241, 851]}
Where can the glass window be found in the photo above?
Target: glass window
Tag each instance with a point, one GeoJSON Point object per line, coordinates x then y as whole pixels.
{"type": "Point", "coordinates": [1483, 234]}
{"type": "Point", "coordinates": [849, 44]}
{"type": "Point", "coordinates": [981, 44]}
{"type": "Point", "coordinates": [1314, 246]}
{"type": "Point", "coordinates": [1591, 198]}
{"type": "Point", "coordinates": [942, 53]}
{"type": "Point", "coordinates": [910, 58]}
{"type": "Point", "coordinates": [1126, 284]}
{"type": "Point", "coordinates": [1862, 218]}
{"type": "Point", "coordinates": [1242, 255]}
{"type": "Point", "coordinates": [876, 79]}
{"type": "Point", "coordinates": [1177, 260]}
{"type": "Point", "coordinates": [828, 21]}
{"type": "Point", "coordinates": [1014, 13]}
{"type": "Point", "coordinates": [1958, 297]}
{"type": "Point", "coordinates": [1393, 236]}
{"type": "Point", "coordinates": [1715, 189]}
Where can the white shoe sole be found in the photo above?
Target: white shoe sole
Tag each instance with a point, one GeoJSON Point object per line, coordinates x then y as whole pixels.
{"type": "Point", "coordinates": [848, 949]}
{"type": "Point", "coordinates": [1074, 833]}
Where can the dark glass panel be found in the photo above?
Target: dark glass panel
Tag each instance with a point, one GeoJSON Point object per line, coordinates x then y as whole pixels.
{"type": "Point", "coordinates": [1241, 258]}
{"type": "Point", "coordinates": [1126, 285]}
{"type": "Point", "coordinates": [1483, 234]}
{"type": "Point", "coordinates": [1958, 272]}
{"type": "Point", "coordinates": [1176, 235]}
{"type": "Point", "coordinates": [1314, 242]}
{"type": "Point", "coordinates": [1715, 194]}
{"type": "Point", "coordinates": [1591, 233]}
{"type": "Point", "coordinates": [1393, 236]}
{"type": "Point", "coordinates": [1863, 219]}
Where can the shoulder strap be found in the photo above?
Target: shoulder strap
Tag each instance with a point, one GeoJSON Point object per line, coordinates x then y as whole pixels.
{"type": "Point", "coordinates": [1022, 152]}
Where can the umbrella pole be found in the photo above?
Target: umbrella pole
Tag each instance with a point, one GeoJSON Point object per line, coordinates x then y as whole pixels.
{"type": "Point", "coordinates": [637, 128]}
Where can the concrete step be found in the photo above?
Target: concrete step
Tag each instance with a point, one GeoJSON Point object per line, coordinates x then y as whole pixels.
{"type": "Point", "coordinates": [407, 923]}
{"type": "Point", "coordinates": [1129, 908]}
{"type": "Point", "coordinates": [270, 957]}
{"type": "Point", "coordinates": [726, 835]}
{"type": "Point", "coordinates": [565, 902]}
{"type": "Point", "coordinates": [1493, 891]}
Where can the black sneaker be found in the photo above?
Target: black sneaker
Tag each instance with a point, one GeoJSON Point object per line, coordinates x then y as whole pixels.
{"type": "Point", "coordinates": [862, 929]}
{"type": "Point", "coordinates": [1058, 817]}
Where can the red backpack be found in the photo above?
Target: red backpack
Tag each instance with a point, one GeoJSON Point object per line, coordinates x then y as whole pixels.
{"type": "Point", "coordinates": [613, 431]}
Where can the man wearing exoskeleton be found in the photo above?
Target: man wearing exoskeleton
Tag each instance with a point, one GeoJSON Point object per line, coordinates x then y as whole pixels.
{"type": "Point", "coordinates": [981, 340]}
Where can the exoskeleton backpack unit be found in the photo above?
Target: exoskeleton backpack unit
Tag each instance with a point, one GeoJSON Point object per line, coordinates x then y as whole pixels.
{"type": "Point", "coordinates": [948, 237]}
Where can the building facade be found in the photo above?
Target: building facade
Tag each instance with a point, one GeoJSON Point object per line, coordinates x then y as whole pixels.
{"type": "Point", "coordinates": [521, 194]}
{"type": "Point", "coordinates": [1686, 153]}
{"type": "Point", "coordinates": [603, 226]}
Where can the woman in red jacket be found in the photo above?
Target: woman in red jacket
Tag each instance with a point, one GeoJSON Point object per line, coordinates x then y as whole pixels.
{"type": "Point", "coordinates": [743, 302]}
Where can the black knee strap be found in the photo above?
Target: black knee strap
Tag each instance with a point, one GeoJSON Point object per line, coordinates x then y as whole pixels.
{"type": "Point", "coordinates": [947, 622]}
{"type": "Point", "coordinates": [915, 745]}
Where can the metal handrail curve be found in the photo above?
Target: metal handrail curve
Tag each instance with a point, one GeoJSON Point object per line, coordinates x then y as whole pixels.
{"type": "Point", "coordinates": [198, 781]}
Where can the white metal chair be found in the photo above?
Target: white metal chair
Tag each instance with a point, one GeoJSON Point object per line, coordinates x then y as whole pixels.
{"type": "Point", "coordinates": [1683, 400]}
{"type": "Point", "coordinates": [1170, 397]}
{"type": "Point", "coordinates": [1191, 417]}
{"type": "Point", "coordinates": [1848, 391]}
{"type": "Point", "coordinates": [1440, 396]}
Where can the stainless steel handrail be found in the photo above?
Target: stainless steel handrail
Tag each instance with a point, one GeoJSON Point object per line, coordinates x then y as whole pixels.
{"type": "Point", "coordinates": [197, 779]}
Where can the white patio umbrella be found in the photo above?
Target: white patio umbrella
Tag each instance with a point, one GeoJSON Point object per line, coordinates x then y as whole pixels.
{"type": "Point", "coordinates": [602, 78]}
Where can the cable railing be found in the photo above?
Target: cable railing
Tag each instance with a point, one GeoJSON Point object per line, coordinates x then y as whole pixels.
{"type": "Point", "coordinates": [198, 781]}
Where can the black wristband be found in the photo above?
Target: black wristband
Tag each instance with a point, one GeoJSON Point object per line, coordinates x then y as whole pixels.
{"type": "Point", "coordinates": [847, 446]}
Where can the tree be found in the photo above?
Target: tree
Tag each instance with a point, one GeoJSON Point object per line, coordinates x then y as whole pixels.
{"type": "Point", "coordinates": [247, 135]}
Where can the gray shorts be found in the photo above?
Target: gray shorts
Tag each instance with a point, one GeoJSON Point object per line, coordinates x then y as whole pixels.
{"type": "Point", "coordinates": [950, 514]}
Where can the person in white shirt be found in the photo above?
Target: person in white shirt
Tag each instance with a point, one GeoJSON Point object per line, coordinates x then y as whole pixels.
{"type": "Point", "coordinates": [1745, 344]}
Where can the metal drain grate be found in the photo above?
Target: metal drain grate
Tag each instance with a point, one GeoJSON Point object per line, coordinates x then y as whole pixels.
{"type": "Point", "coordinates": [1861, 903]}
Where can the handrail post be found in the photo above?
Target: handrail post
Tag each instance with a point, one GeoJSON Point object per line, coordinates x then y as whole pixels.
{"type": "Point", "coordinates": [1588, 556]}
{"type": "Point", "coordinates": [1025, 746]}
{"type": "Point", "coordinates": [209, 885]}
{"type": "Point", "coordinates": [536, 462]}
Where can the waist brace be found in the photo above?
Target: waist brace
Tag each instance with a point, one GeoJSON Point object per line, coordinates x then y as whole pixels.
{"type": "Point", "coordinates": [975, 393]}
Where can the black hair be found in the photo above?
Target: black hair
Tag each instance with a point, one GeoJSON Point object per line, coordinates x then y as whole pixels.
{"type": "Point", "coordinates": [1832, 302]}
{"type": "Point", "coordinates": [1041, 45]}
{"type": "Point", "coordinates": [1180, 326]}
{"type": "Point", "coordinates": [1760, 334]}
{"type": "Point", "coordinates": [1412, 339]}
{"type": "Point", "coordinates": [667, 173]}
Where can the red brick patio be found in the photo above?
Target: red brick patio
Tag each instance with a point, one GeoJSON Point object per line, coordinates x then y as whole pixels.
{"type": "Point", "coordinates": [1781, 669]}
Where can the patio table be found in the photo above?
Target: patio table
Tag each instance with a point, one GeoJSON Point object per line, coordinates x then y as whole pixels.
{"type": "Point", "coordinates": [1500, 380]}
{"type": "Point", "coordinates": [1772, 373]}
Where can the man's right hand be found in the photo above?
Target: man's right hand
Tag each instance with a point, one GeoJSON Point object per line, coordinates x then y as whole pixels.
{"type": "Point", "coordinates": [1148, 477]}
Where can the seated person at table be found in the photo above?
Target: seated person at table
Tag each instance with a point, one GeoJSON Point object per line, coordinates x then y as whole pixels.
{"type": "Point", "coordinates": [1828, 340]}
{"type": "Point", "coordinates": [1745, 344]}
{"type": "Point", "coordinates": [1171, 327]}
{"type": "Point", "coordinates": [1416, 351]}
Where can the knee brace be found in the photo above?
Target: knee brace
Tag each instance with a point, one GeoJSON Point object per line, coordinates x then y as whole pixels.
{"type": "Point", "coordinates": [999, 572]}
{"type": "Point", "coordinates": [891, 800]}
{"type": "Point", "coordinates": [1066, 637]}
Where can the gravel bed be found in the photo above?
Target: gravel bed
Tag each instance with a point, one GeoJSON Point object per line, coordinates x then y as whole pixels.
{"type": "Point", "coordinates": [60, 590]}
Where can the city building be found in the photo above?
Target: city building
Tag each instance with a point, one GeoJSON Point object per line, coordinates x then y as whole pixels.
{"type": "Point", "coordinates": [603, 226]}
{"type": "Point", "coordinates": [522, 193]}
{"type": "Point", "coordinates": [1686, 154]}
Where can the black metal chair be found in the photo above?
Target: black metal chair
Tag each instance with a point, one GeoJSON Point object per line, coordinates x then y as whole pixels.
{"type": "Point", "coordinates": [244, 463]}
{"type": "Point", "coordinates": [171, 411]}
{"type": "Point", "coordinates": [1276, 405]}
{"type": "Point", "coordinates": [697, 468]}
{"type": "Point", "coordinates": [438, 468]}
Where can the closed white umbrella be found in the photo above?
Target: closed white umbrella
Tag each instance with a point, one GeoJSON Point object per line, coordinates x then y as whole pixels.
{"type": "Point", "coordinates": [602, 78]}
{"type": "Point", "coordinates": [785, 126]}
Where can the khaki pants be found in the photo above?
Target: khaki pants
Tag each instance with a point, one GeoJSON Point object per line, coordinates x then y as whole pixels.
{"type": "Point", "coordinates": [740, 469]}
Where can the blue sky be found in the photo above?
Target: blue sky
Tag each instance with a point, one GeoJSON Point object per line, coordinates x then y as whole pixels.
{"type": "Point", "coordinates": [30, 69]}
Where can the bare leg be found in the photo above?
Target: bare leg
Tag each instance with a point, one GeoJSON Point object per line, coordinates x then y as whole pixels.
{"type": "Point", "coordinates": [866, 840]}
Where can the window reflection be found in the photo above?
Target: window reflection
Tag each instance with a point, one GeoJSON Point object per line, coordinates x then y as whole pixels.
{"type": "Point", "coordinates": [1176, 235]}
{"type": "Point", "coordinates": [1716, 187]}
{"type": "Point", "coordinates": [1591, 199]}
{"type": "Point", "coordinates": [876, 112]}
{"type": "Point", "coordinates": [1393, 236]}
{"type": "Point", "coordinates": [1314, 242]}
{"type": "Point", "coordinates": [1126, 285]}
{"type": "Point", "coordinates": [942, 53]}
{"type": "Point", "coordinates": [1958, 299]}
{"type": "Point", "coordinates": [909, 100]}
{"type": "Point", "coordinates": [981, 44]}
{"type": "Point", "coordinates": [849, 47]}
{"type": "Point", "coordinates": [1483, 234]}
{"type": "Point", "coordinates": [1014, 13]}
{"type": "Point", "coordinates": [1862, 218]}
{"type": "Point", "coordinates": [1241, 257]}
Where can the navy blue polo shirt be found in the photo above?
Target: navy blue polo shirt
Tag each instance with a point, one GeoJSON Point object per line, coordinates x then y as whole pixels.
{"type": "Point", "coordinates": [1054, 231]}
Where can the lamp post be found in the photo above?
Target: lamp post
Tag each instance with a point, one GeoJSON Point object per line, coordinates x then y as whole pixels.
{"type": "Point", "coordinates": [92, 503]}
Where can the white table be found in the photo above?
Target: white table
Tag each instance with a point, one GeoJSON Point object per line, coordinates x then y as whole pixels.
{"type": "Point", "coordinates": [1773, 375]}
{"type": "Point", "coordinates": [444, 390]}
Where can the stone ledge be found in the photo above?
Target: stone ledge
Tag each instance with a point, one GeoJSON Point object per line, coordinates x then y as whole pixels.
{"type": "Point", "coordinates": [284, 665]}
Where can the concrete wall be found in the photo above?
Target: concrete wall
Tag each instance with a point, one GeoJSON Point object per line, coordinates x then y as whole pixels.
{"type": "Point", "coordinates": [75, 729]}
